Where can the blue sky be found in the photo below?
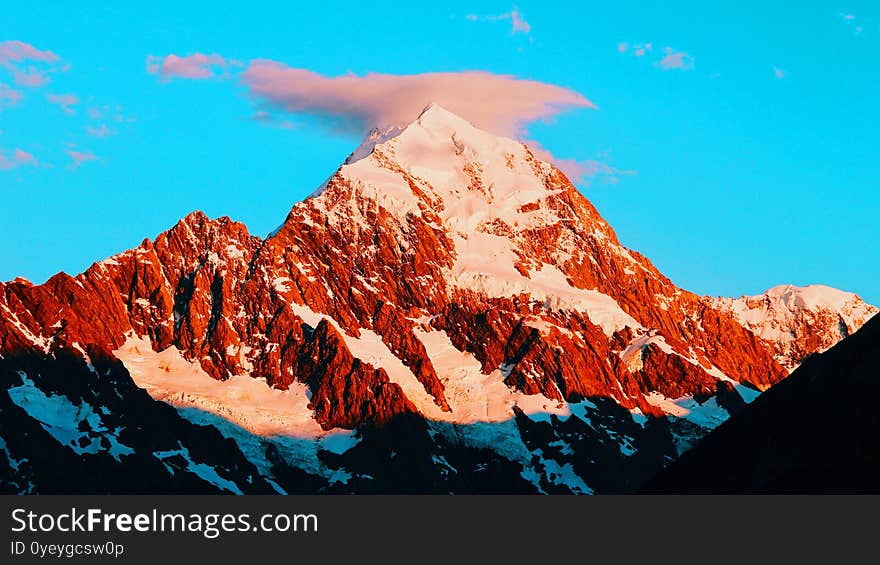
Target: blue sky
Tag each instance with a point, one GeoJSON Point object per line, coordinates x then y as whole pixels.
{"type": "Point", "coordinates": [749, 158]}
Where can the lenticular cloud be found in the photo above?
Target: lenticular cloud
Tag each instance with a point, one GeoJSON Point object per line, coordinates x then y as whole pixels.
{"type": "Point", "coordinates": [498, 103]}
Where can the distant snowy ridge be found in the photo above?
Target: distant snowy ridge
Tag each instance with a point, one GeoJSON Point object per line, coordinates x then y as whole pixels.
{"type": "Point", "coordinates": [800, 320]}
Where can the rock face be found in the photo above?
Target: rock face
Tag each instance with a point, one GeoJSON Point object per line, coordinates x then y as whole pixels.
{"type": "Point", "coordinates": [447, 313]}
{"type": "Point", "coordinates": [815, 432]}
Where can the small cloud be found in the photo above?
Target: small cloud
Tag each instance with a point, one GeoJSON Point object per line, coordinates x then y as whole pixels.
{"type": "Point", "coordinates": [80, 157]}
{"type": "Point", "coordinates": [9, 96]}
{"type": "Point", "coordinates": [589, 170]}
{"type": "Point", "coordinates": [100, 131]}
{"type": "Point", "coordinates": [115, 113]}
{"type": "Point", "coordinates": [65, 101]}
{"type": "Point", "coordinates": [31, 77]}
{"type": "Point", "coordinates": [780, 74]}
{"type": "Point", "coordinates": [269, 119]}
{"type": "Point", "coordinates": [676, 60]}
{"type": "Point", "coordinates": [518, 23]}
{"type": "Point", "coordinates": [19, 51]}
{"type": "Point", "coordinates": [636, 49]}
{"type": "Point", "coordinates": [30, 66]}
{"type": "Point", "coordinates": [19, 158]}
{"type": "Point", "coordinates": [197, 66]}
{"type": "Point", "coordinates": [851, 21]}
{"type": "Point", "coordinates": [580, 171]}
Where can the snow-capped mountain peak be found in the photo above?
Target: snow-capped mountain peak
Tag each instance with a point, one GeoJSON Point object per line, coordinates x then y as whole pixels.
{"type": "Point", "coordinates": [511, 224]}
{"type": "Point", "coordinates": [441, 160]}
{"type": "Point", "coordinates": [440, 122]}
{"type": "Point", "coordinates": [816, 296]}
{"type": "Point", "coordinates": [799, 320]}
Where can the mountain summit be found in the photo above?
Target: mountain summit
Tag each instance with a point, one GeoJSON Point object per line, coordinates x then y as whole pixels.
{"type": "Point", "coordinates": [448, 313]}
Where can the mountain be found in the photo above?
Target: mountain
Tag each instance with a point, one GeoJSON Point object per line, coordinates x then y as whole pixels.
{"type": "Point", "coordinates": [799, 321]}
{"type": "Point", "coordinates": [815, 432]}
{"type": "Point", "coordinates": [447, 313]}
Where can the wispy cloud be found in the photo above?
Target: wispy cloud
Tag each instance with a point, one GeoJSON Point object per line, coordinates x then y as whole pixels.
{"type": "Point", "coordinates": [518, 23]}
{"type": "Point", "coordinates": [671, 59]}
{"type": "Point", "coordinates": [636, 49]}
{"type": "Point", "coordinates": [31, 77]}
{"type": "Point", "coordinates": [30, 67]}
{"type": "Point", "coordinates": [80, 157]}
{"type": "Point", "coordinates": [676, 60]}
{"type": "Point", "coordinates": [198, 66]}
{"type": "Point", "coordinates": [852, 21]}
{"type": "Point", "coordinates": [65, 101]}
{"type": "Point", "coordinates": [270, 119]}
{"type": "Point", "coordinates": [351, 103]}
{"type": "Point", "coordinates": [18, 51]}
{"type": "Point", "coordinates": [109, 112]}
{"type": "Point", "coordinates": [100, 131]}
{"type": "Point", "coordinates": [9, 96]}
{"type": "Point", "coordinates": [580, 171]}
{"type": "Point", "coordinates": [18, 158]}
